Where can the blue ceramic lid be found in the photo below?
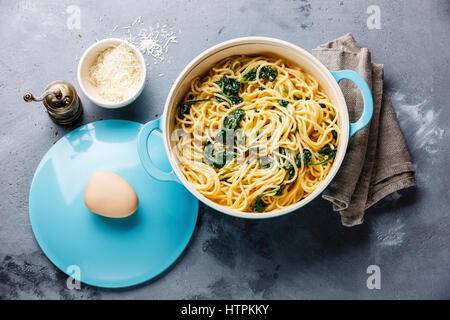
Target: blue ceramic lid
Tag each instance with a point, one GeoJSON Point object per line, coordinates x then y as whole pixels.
{"type": "Point", "coordinates": [109, 252]}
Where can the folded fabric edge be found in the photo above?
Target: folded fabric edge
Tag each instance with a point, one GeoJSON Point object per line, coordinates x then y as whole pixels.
{"type": "Point", "coordinates": [394, 170]}
{"type": "Point", "coordinates": [351, 221]}
{"type": "Point", "coordinates": [318, 50]}
{"type": "Point", "coordinates": [347, 41]}
{"type": "Point", "coordinates": [403, 183]}
{"type": "Point", "coordinates": [337, 204]}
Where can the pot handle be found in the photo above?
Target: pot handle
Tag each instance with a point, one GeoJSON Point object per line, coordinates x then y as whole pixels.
{"type": "Point", "coordinates": [147, 163]}
{"type": "Point", "coordinates": [366, 93]}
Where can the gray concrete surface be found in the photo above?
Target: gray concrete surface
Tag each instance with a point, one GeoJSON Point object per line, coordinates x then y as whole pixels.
{"type": "Point", "coordinates": [304, 255]}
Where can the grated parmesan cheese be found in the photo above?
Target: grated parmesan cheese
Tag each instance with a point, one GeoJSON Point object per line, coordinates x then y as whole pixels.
{"type": "Point", "coordinates": [116, 73]}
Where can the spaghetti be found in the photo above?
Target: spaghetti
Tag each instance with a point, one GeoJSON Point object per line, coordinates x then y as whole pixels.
{"type": "Point", "coordinates": [256, 134]}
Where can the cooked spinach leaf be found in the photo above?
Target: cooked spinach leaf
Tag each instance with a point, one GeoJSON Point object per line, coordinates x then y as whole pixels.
{"type": "Point", "coordinates": [221, 158]}
{"type": "Point", "coordinates": [266, 165]}
{"type": "Point", "coordinates": [232, 64]}
{"type": "Point", "coordinates": [265, 161]}
{"type": "Point", "coordinates": [183, 108]}
{"type": "Point", "coordinates": [233, 119]}
{"type": "Point", "coordinates": [234, 99]}
{"type": "Point", "coordinates": [214, 158]}
{"type": "Point", "coordinates": [290, 169]}
{"type": "Point", "coordinates": [299, 98]}
{"type": "Point", "coordinates": [283, 151]}
{"type": "Point", "coordinates": [251, 150]}
{"type": "Point", "coordinates": [229, 89]}
{"type": "Point", "coordinates": [259, 205]}
{"type": "Point", "coordinates": [280, 190]}
{"type": "Point", "coordinates": [283, 103]}
{"type": "Point", "coordinates": [266, 73]}
{"type": "Point", "coordinates": [250, 76]}
{"type": "Point", "coordinates": [261, 88]}
{"type": "Point", "coordinates": [307, 155]}
{"type": "Point", "coordinates": [208, 153]}
{"type": "Point", "coordinates": [226, 135]}
{"type": "Point", "coordinates": [229, 86]}
{"type": "Point", "coordinates": [221, 137]}
{"type": "Point", "coordinates": [334, 134]}
{"type": "Point", "coordinates": [218, 157]}
{"type": "Point", "coordinates": [288, 165]}
{"type": "Point", "coordinates": [306, 158]}
{"type": "Point", "coordinates": [326, 151]}
{"type": "Point", "coordinates": [324, 161]}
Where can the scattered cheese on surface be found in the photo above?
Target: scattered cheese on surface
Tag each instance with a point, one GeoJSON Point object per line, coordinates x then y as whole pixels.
{"type": "Point", "coordinates": [117, 73]}
{"type": "Point", "coordinates": [151, 41]}
{"type": "Point", "coordinates": [149, 46]}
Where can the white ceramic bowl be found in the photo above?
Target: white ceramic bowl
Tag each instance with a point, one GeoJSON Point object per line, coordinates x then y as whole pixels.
{"type": "Point", "coordinates": [89, 57]}
{"type": "Point", "coordinates": [255, 46]}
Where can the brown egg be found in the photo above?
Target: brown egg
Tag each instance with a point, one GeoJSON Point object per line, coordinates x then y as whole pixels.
{"type": "Point", "coordinates": [109, 195]}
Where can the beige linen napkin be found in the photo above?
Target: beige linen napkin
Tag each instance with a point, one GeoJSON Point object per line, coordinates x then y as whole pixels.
{"type": "Point", "coordinates": [377, 162]}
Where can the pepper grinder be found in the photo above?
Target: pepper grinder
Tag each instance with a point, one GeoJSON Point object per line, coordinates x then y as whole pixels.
{"type": "Point", "coordinates": [60, 100]}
